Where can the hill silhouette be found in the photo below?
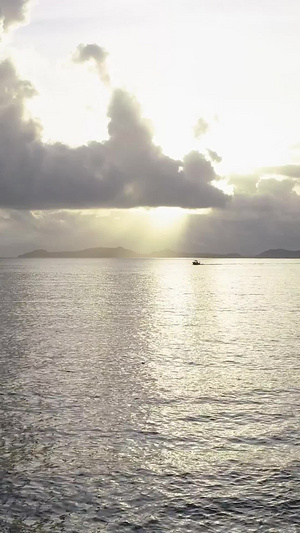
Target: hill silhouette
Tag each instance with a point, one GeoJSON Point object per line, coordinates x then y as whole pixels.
{"type": "Point", "coordinates": [120, 252]}
{"type": "Point", "coordinates": [88, 253]}
{"type": "Point", "coordinates": [280, 253]}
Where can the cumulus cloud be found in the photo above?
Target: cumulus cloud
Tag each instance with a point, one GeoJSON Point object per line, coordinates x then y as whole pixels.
{"type": "Point", "coordinates": [87, 52]}
{"type": "Point", "coordinates": [127, 170]}
{"type": "Point", "coordinates": [12, 12]}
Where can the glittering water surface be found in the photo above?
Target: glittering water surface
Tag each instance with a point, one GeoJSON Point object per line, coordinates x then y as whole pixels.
{"type": "Point", "coordinates": [149, 395]}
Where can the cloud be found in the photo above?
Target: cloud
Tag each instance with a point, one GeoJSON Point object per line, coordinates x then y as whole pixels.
{"type": "Point", "coordinates": [246, 184]}
{"type": "Point", "coordinates": [12, 12]}
{"type": "Point", "coordinates": [214, 156]}
{"type": "Point", "coordinates": [86, 52]}
{"type": "Point", "coordinates": [127, 170]}
{"type": "Point", "coordinates": [292, 171]}
{"type": "Point", "coordinates": [258, 195]}
{"type": "Point", "coordinates": [22, 231]}
{"type": "Point", "coordinates": [264, 216]}
{"type": "Point", "coordinates": [261, 217]}
{"type": "Point", "coordinates": [200, 128]}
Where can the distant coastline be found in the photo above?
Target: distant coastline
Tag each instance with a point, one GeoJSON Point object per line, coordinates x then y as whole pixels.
{"type": "Point", "coordinates": [121, 252]}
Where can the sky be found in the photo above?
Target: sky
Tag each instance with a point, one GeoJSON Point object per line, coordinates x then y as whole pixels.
{"type": "Point", "coordinates": [149, 125]}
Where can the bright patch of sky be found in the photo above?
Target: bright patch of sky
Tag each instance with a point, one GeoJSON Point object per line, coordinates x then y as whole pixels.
{"type": "Point", "coordinates": [233, 63]}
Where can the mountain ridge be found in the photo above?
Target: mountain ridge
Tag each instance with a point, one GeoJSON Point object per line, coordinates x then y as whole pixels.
{"type": "Point", "coordinates": [120, 252]}
{"type": "Point", "coordinates": [97, 252]}
{"type": "Point", "coordinates": [280, 253]}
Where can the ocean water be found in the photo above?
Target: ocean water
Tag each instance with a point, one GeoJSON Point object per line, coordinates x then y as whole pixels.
{"type": "Point", "coordinates": [149, 395]}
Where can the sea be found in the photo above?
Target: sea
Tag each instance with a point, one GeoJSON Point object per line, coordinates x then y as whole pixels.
{"type": "Point", "coordinates": [149, 395]}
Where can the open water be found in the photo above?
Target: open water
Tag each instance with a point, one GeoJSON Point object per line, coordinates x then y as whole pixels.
{"type": "Point", "coordinates": [149, 395]}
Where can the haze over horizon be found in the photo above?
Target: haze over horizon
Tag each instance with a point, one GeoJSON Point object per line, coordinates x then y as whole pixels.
{"type": "Point", "coordinates": [149, 126]}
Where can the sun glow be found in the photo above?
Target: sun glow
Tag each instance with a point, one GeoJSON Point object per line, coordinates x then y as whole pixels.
{"type": "Point", "coordinates": [167, 217]}
{"type": "Point", "coordinates": [146, 230]}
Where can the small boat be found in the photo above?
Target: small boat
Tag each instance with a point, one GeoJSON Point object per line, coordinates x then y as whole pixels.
{"type": "Point", "coordinates": [196, 262]}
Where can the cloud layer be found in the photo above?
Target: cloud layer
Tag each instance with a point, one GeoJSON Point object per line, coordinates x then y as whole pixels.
{"type": "Point", "coordinates": [127, 170]}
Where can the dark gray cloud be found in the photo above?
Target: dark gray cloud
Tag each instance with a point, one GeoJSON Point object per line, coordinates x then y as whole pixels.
{"type": "Point", "coordinates": [127, 170]}
{"type": "Point", "coordinates": [87, 52]}
{"type": "Point", "coordinates": [12, 12]}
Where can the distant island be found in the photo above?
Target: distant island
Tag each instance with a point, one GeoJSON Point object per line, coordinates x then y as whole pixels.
{"type": "Point", "coordinates": [280, 254]}
{"type": "Point", "coordinates": [86, 253]}
{"type": "Point", "coordinates": [120, 252]}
